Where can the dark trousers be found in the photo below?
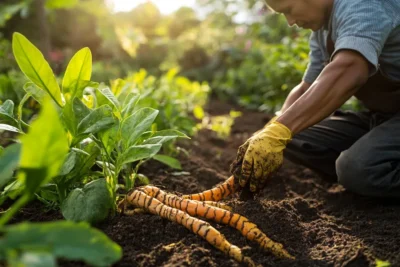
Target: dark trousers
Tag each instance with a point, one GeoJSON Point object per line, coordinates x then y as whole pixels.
{"type": "Point", "coordinates": [360, 150]}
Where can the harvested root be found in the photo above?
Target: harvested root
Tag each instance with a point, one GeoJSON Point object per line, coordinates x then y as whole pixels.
{"type": "Point", "coordinates": [217, 193]}
{"type": "Point", "coordinates": [184, 209]}
{"type": "Point", "coordinates": [151, 204]}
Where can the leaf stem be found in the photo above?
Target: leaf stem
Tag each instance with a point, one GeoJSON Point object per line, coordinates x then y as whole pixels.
{"type": "Point", "coordinates": [19, 112]}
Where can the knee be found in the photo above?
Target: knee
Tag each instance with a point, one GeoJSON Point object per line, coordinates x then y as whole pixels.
{"type": "Point", "coordinates": [360, 175]}
{"type": "Point", "coordinates": [349, 171]}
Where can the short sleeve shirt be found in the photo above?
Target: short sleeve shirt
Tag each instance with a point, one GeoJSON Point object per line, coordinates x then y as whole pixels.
{"type": "Point", "coordinates": [370, 27]}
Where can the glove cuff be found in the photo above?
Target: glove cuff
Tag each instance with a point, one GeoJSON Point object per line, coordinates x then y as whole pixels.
{"type": "Point", "coordinates": [279, 131]}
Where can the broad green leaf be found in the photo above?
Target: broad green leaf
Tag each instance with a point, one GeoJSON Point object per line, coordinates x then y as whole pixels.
{"type": "Point", "coordinates": [69, 163]}
{"type": "Point", "coordinates": [98, 120]}
{"type": "Point", "coordinates": [106, 92]}
{"type": "Point", "coordinates": [87, 162]}
{"type": "Point", "coordinates": [79, 68]}
{"type": "Point", "coordinates": [92, 203]}
{"type": "Point", "coordinates": [135, 153]}
{"type": "Point", "coordinates": [33, 64]}
{"type": "Point", "coordinates": [80, 110]}
{"type": "Point", "coordinates": [110, 137]}
{"type": "Point", "coordinates": [56, 4]}
{"type": "Point", "coordinates": [86, 158]}
{"type": "Point", "coordinates": [63, 239]}
{"type": "Point", "coordinates": [9, 128]}
{"type": "Point", "coordinates": [129, 104]}
{"type": "Point", "coordinates": [68, 118]}
{"type": "Point", "coordinates": [7, 109]}
{"type": "Point", "coordinates": [136, 124]}
{"type": "Point", "coordinates": [73, 113]}
{"type": "Point", "coordinates": [9, 160]}
{"type": "Point", "coordinates": [34, 258]}
{"type": "Point", "coordinates": [44, 149]}
{"type": "Point", "coordinates": [163, 136]}
{"type": "Point", "coordinates": [172, 162]}
{"type": "Point", "coordinates": [38, 94]}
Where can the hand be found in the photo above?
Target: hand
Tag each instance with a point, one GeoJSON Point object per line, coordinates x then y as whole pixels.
{"type": "Point", "coordinates": [261, 155]}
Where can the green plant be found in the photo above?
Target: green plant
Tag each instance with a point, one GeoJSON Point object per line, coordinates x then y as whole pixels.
{"type": "Point", "coordinates": [37, 158]}
{"type": "Point", "coordinates": [266, 74]}
{"type": "Point", "coordinates": [103, 132]}
{"type": "Point", "coordinates": [175, 97]}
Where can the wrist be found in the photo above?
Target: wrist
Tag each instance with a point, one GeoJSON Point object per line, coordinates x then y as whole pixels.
{"type": "Point", "coordinates": [278, 131]}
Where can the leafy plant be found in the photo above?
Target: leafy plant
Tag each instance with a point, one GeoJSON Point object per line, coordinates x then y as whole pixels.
{"type": "Point", "coordinates": [38, 157]}
{"type": "Point", "coordinates": [106, 137]}
{"type": "Point", "coordinates": [176, 97]}
{"type": "Point", "coordinates": [42, 154]}
{"type": "Point", "coordinates": [40, 244]}
{"type": "Point", "coordinates": [266, 75]}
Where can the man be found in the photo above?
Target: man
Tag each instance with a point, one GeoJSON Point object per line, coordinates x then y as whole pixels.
{"type": "Point", "coordinates": [354, 50]}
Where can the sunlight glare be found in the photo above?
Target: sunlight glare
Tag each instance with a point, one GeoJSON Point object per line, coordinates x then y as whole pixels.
{"type": "Point", "coordinates": [165, 6]}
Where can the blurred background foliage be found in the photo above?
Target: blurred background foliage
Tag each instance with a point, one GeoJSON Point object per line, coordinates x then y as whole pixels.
{"type": "Point", "coordinates": [245, 53]}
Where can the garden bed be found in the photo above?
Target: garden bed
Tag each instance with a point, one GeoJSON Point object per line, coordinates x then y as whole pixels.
{"type": "Point", "coordinates": [320, 223]}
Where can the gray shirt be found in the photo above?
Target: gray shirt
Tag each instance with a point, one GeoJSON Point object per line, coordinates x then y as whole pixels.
{"type": "Point", "coordinates": [370, 27]}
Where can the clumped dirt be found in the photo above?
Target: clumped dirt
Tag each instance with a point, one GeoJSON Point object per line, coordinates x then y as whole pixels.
{"type": "Point", "coordinates": [318, 222]}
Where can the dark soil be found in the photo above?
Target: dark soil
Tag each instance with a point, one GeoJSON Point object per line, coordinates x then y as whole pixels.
{"type": "Point", "coordinates": [318, 222]}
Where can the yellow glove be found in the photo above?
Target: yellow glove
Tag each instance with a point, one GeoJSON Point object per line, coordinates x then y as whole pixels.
{"type": "Point", "coordinates": [261, 155]}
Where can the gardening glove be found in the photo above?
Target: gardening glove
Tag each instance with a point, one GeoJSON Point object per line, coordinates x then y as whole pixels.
{"type": "Point", "coordinates": [261, 155]}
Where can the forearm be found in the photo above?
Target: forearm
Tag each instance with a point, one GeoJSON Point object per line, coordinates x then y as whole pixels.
{"type": "Point", "coordinates": [296, 92]}
{"type": "Point", "coordinates": [336, 84]}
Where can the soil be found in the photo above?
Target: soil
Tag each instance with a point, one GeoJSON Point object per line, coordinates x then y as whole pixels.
{"type": "Point", "coordinates": [319, 222]}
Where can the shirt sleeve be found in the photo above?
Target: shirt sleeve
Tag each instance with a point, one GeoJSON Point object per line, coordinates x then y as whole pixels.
{"type": "Point", "coordinates": [363, 28]}
{"type": "Point", "coordinates": [316, 63]}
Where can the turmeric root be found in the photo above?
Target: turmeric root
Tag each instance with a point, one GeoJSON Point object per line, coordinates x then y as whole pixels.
{"type": "Point", "coordinates": [180, 210]}
{"type": "Point", "coordinates": [216, 204]}
{"type": "Point", "coordinates": [241, 223]}
{"type": "Point", "coordinates": [152, 204]}
{"type": "Point", "coordinates": [217, 193]}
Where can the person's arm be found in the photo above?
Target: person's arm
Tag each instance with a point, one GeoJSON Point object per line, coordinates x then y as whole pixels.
{"type": "Point", "coordinates": [334, 86]}
{"type": "Point", "coordinates": [296, 92]}
{"type": "Point", "coordinates": [314, 68]}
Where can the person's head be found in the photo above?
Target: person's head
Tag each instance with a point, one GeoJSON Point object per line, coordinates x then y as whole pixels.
{"type": "Point", "coordinates": [308, 14]}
